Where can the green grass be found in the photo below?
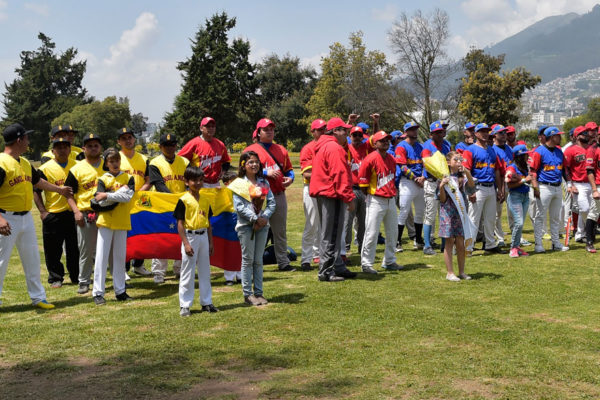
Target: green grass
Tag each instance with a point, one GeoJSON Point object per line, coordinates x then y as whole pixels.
{"type": "Point", "coordinates": [523, 328]}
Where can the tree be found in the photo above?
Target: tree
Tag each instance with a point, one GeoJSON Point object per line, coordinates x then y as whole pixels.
{"type": "Point", "coordinates": [47, 85]}
{"type": "Point", "coordinates": [420, 42]}
{"type": "Point", "coordinates": [104, 118]}
{"type": "Point", "coordinates": [138, 123]}
{"type": "Point", "coordinates": [486, 95]}
{"type": "Point", "coordinates": [285, 87]}
{"type": "Point", "coordinates": [355, 80]}
{"type": "Point", "coordinates": [218, 80]}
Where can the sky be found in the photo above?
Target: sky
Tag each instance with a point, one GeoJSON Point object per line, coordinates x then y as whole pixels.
{"type": "Point", "coordinates": [132, 47]}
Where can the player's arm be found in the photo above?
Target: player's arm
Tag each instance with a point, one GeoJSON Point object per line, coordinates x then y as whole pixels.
{"type": "Point", "coordinates": [43, 184]}
{"type": "Point", "coordinates": [179, 215]}
{"type": "Point", "coordinates": [157, 180]}
{"type": "Point", "coordinates": [72, 182]}
{"type": "Point", "coordinates": [39, 201]}
{"type": "Point", "coordinates": [146, 185]}
{"type": "Point", "coordinates": [4, 225]}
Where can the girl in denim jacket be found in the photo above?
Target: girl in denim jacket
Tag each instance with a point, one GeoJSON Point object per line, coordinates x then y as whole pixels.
{"type": "Point", "coordinates": [253, 226]}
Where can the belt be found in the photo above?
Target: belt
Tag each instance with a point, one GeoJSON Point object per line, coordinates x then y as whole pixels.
{"type": "Point", "coordinates": [200, 232]}
{"type": "Point", "coordinates": [13, 212]}
{"type": "Point", "coordinates": [485, 184]}
{"type": "Point", "coordinates": [551, 184]}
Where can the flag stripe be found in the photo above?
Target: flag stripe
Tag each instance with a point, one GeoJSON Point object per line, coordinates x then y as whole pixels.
{"type": "Point", "coordinates": [146, 222]}
{"type": "Point", "coordinates": [155, 245]}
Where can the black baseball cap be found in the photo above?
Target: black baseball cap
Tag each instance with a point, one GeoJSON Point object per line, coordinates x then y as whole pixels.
{"type": "Point", "coordinates": [91, 136]}
{"type": "Point", "coordinates": [61, 128]}
{"type": "Point", "coordinates": [123, 131]}
{"type": "Point", "coordinates": [60, 140]}
{"type": "Point", "coordinates": [168, 138]}
{"type": "Point", "coordinates": [14, 132]}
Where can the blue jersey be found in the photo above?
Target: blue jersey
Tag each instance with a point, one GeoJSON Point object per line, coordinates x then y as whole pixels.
{"type": "Point", "coordinates": [410, 156]}
{"type": "Point", "coordinates": [429, 148]}
{"type": "Point", "coordinates": [513, 170]}
{"type": "Point", "coordinates": [482, 163]}
{"type": "Point", "coordinates": [547, 163]}
{"type": "Point", "coordinates": [504, 153]}
{"type": "Point", "coordinates": [460, 147]}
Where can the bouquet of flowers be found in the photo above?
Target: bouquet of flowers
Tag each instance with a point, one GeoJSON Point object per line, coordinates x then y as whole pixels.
{"type": "Point", "coordinates": [437, 166]}
{"type": "Point", "coordinates": [258, 194]}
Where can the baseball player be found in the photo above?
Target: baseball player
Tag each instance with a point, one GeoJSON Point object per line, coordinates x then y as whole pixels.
{"type": "Point", "coordinates": [17, 180]}
{"type": "Point", "coordinates": [66, 132]}
{"type": "Point", "coordinates": [593, 173]}
{"type": "Point", "coordinates": [357, 151]}
{"type": "Point", "coordinates": [469, 135]}
{"type": "Point", "coordinates": [83, 180]}
{"type": "Point", "coordinates": [546, 169]}
{"type": "Point", "coordinates": [511, 137]}
{"type": "Point", "coordinates": [504, 153]}
{"type": "Point", "coordinates": [166, 175]}
{"type": "Point", "coordinates": [575, 171]}
{"type": "Point", "coordinates": [376, 177]}
{"type": "Point", "coordinates": [310, 236]}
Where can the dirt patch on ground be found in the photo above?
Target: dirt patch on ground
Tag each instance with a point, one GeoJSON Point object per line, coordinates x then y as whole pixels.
{"type": "Point", "coordinates": [481, 388]}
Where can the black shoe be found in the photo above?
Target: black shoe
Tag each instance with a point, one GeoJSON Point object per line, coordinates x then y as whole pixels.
{"type": "Point", "coordinates": [228, 283]}
{"type": "Point", "coordinates": [128, 286]}
{"type": "Point", "coordinates": [347, 274]}
{"type": "Point", "coordinates": [330, 278]}
{"type": "Point", "coordinates": [380, 239]}
{"type": "Point", "coordinates": [305, 267]}
{"type": "Point", "coordinates": [99, 300]}
{"type": "Point", "coordinates": [496, 250]}
{"type": "Point", "coordinates": [209, 308]}
{"type": "Point", "coordinates": [124, 297]}
{"type": "Point", "coordinates": [287, 268]}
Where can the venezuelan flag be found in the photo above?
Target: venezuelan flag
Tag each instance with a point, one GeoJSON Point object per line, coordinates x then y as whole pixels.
{"type": "Point", "coordinates": [154, 234]}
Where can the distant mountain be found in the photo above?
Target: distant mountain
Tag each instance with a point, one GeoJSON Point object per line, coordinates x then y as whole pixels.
{"type": "Point", "coordinates": [556, 46]}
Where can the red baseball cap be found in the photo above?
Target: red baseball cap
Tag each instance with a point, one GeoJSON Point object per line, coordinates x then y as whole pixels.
{"type": "Point", "coordinates": [510, 129]}
{"type": "Point", "coordinates": [318, 124]}
{"type": "Point", "coordinates": [381, 135]}
{"type": "Point", "coordinates": [580, 129]}
{"type": "Point", "coordinates": [206, 120]}
{"type": "Point", "coordinates": [263, 123]}
{"type": "Point", "coordinates": [337, 123]}
{"type": "Point", "coordinates": [357, 129]}
{"type": "Point", "coordinates": [591, 126]}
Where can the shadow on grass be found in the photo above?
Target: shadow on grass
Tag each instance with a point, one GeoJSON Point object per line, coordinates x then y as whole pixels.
{"type": "Point", "coordinates": [486, 275]}
{"type": "Point", "coordinates": [411, 267]}
{"type": "Point", "coordinates": [288, 298]}
{"type": "Point", "coordinates": [330, 388]}
{"type": "Point", "coordinates": [73, 301]}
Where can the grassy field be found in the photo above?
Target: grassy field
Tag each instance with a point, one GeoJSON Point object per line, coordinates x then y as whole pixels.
{"type": "Point", "coordinates": [524, 328]}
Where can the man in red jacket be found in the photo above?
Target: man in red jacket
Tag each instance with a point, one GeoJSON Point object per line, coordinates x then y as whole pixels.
{"type": "Point", "coordinates": [331, 184]}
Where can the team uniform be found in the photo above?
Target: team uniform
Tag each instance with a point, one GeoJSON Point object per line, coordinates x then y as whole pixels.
{"type": "Point", "coordinates": [209, 156]}
{"type": "Point", "coordinates": [113, 225]}
{"type": "Point", "coordinates": [58, 227]}
{"type": "Point", "coordinates": [194, 214]}
{"type": "Point", "coordinates": [377, 174]}
{"type": "Point", "coordinates": [137, 167]}
{"type": "Point", "coordinates": [547, 164]}
{"type": "Point", "coordinates": [593, 166]}
{"type": "Point", "coordinates": [17, 178]}
{"type": "Point", "coordinates": [575, 162]}
{"type": "Point", "coordinates": [505, 154]}
{"type": "Point", "coordinates": [167, 177]}
{"type": "Point", "coordinates": [409, 156]}
{"type": "Point", "coordinates": [461, 147]}
{"type": "Point", "coordinates": [310, 235]}
{"type": "Point", "coordinates": [83, 179]}
{"type": "Point", "coordinates": [356, 154]}
{"type": "Point", "coordinates": [517, 203]}
{"type": "Point", "coordinates": [483, 163]}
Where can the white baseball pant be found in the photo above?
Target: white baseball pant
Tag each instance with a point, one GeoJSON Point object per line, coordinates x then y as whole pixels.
{"type": "Point", "coordinates": [200, 260]}
{"type": "Point", "coordinates": [107, 238]}
{"type": "Point", "coordinates": [380, 209]}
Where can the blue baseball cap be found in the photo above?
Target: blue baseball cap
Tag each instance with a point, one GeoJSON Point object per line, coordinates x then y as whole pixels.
{"type": "Point", "coordinates": [436, 126]}
{"type": "Point", "coordinates": [364, 126]}
{"type": "Point", "coordinates": [396, 134]}
{"type": "Point", "coordinates": [552, 131]}
{"type": "Point", "coordinates": [469, 125]}
{"type": "Point", "coordinates": [519, 150]}
{"type": "Point", "coordinates": [541, 129]}
{"type": "Point", "coordinates": [482, 126]}
{"type": "Point", "coordinates": [572, 132]}
{"type": "Point", "coordinates": [410, 125]}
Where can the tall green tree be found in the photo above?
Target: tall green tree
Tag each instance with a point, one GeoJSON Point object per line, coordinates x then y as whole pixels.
{"type": "Point", "coordinates": [285, 87]}
{"type": "Point", "coordinates": [486, 94]}
{"type": "Point", "coordinates": [47, 84]}
{"type": "Point", "coordinates": [139, 123]}
{"type": "Point", "coordinates": [104, 118]}
{"type": "Point", "coordinates": [218, 80]}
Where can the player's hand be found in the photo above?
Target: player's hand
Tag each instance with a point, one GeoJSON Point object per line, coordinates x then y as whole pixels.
{"type": "Point", "coordinates": [79, 219]}
{"type": "Point", "coordinates": [473, 198]}
{"type": "Point", "coordinates": [43, 215]}
{"type": "Point", "coordinates": [65, 191]}
{"type": "Point", "coordinates": [596, 194]}
{"type": "Point", "coordinates": [374, 117]}
{"type": "Point", "coordinates": [352, 118]}
{"type": "Point", "coordinates": [420, 181]}
{"type": "Point", "coordinates": [536, 192]}
{"type": "Point", "coordinates": [4, 227]}
{"type": "Point", "coordinates": [260, 223]}
{"type": "Point", "coordinates": [211, 248]}
{"type": "Point", "coordinates": [500, 196]}
{"type": "Point", "coordinates": [275, 174]}
{"type": "Point", "coordinates": [573, 190]}
{"type": "Point", "coordinates": [188, 250]}
{"type": "Point", "coordinates": [444, 181]}
{"type": "Point", "coordinates": [101, 196]}
{"type": "Point", "coordinates": [287, 181]}
{"type": "Point", "coordinates": [528, 179]}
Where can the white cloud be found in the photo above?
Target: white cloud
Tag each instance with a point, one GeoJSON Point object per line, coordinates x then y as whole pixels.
{"type": "Point", "coordinates": [3, 5]}
{"type": "Point", "coordinates": [314, 61]}
{"type": "Point", "coordinates": [386, 14]}
{"type": "Point", "coordinates": [40, 9]}
{"type": "Point", "coordinates": [134, 40]}
{"type": "Point", "coordinates": [257, 53]}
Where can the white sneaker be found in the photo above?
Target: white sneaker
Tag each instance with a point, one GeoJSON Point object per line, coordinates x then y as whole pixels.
{"type": "Point", "coordinates": [464, 276]}
{"type": "Point", "coordinates": [417, 245]}
{"type": "Point", "coordinates": [142, 271]}
{"type": "Point", "coordinates": [452, 278]}
{"type": "Point", "coordinates": [559, 247]}
{"type": "Point", "coordinates": [159, 279]}
{"type": "Point", "coordinates": [539, 249]}
{"type": "Point", "coordinates": [399, 248]}
{"type": "Point", "coordinates": [525, 242]}
{"type": "Point", "coordinates": [127, 277]}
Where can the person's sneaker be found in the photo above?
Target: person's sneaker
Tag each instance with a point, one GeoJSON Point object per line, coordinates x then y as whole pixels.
{"type": "Point", "coordinates": [287, 268]}
{"type": "Point", "coordinates": [496, 250]}
{"type": "Point", "coordinates": [184, 311]}
{"type": "Point", "coordinates": [452, 278]}
{"type": "Point", "coordinates": [514, 253]}
{"type": "Point", "coordinates": [590, 248]}
{"type": "Point", "coordinates": [56, 285]}
{"type": "Point", "coordinates": [229, 283]}
{"type": "Point", "coordinates": [428, 251]}
{"type": "Point", "coordinates": [305, 267]}
{"type": "Point", "coordinates": [464, 277]}
{"type": "Point", "coordinates": [331, 278]}
{"type": "Point", "coordinates": [392, 267]}
{"type": "Point", "coordinates": [44, 305]}
{"type": "Point", "coordinates": [347, 274]}
{"type": "Point", "coordinates": [579, 238]}
{"type": "Point", "coordinates": [547, 236]}
{"type": "Point", "coordinates": [346, 260]}
{"type": "Point", "coordinates": [127, 277]}
{"type": "Point", "coordinates": [177, 275]}
{"type": "Point", "coordinates": [418, 245]}
{"type": "Point", "coordinates": [501, 243]}
{"type": "Point", "coordinates": [559, 247]}
{"type": "Point", "coordinates": [252, 300]}
{"type": "Point", "coordinates": [380, 239]}
{"type": "Point", "coordinates": [123, 297]}
{"type": "Point", "coordinates": [539, 249]}
{"type": "Point", "coordinates": [99, 300]}
{"type": "Point", "coordinates": [158, 279]}
{"type": "Point", "coordinates": [261, 300]}
{"type": "Point", "coordinates": [83, 288]}
{"type": "Point", "coordinates": [209, 308]}
{"type": "Point", "coordinates": [399, 248]}
{"type": "Point", "coordinates": [316, 260]}
{"type": "Point", "coordinates": [434, 245]}
{"type": "Point", "coordinates": [525, 242]}
{"type": "Point", "coordinates": [141, 270]}
{"type": "Point", "coordinates": [369, 270]}
{"type": "Point", "coordinates": [522, 253]}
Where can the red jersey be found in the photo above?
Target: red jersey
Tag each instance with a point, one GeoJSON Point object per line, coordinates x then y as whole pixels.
{"type": "Point", "coordinates": [330, 171]}
{"type": "Point", "coordinates": [306, 157]}
{"type": "Point", "coordinates": [207, 155]}
{"type": "Point", "coordinates": [592, 162]}
{"type": "Point", "coordinates": [377, 172]}
{"type": "Point", "coordinates": [575, 161]}
{"type": "Point", "coordinates": [355, 157]}
{"type": "Point", "coordinates": [281, 157]}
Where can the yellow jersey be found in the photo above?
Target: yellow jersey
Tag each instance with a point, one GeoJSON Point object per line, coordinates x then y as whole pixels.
{"type": "Point", "coordinates": [118, 218]}
{"type": "Point", "coordinates": [16, 190]}
{"type": "Point", "coordinates": [135, 166]}
{"type": "Point", "coordinates": [172, 173]}
{"type": "Point", "coordinates": [193, 212]}
{"type": "Point", "coordinates": [83, 178]}
{"type": "Point", "coordinates": [54, 173]}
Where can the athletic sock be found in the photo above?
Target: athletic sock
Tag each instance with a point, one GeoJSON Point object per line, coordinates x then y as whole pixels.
{"type": "Point", "coordinates": [419, 233]}
{"type": "Point", "coordinates": [400, 231]}
{"type": "Point", "coordinates": [590, 231]}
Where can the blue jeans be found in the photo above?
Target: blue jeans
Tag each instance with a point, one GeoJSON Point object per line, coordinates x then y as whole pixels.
{"type": "Point", "coordinates": [252, 258]}
{"type": "Point", "coordinates": [517, 205]}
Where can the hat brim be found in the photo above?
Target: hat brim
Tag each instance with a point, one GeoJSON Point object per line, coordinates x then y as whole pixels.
{"type": "Point", "coordinates": [437, 130]}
